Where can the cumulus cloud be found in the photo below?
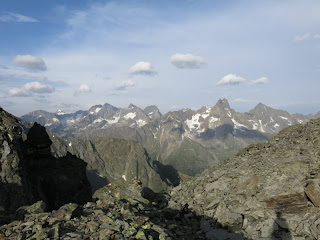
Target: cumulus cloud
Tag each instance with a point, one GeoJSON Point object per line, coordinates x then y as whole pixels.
{"type": "Point", "coordinates": [261, 80]}
{"type": "Point", "coordinates": [187, 61]}
{"type": "Point", "coordinates": [231, 79]}
{"type": "Point", "coordinates": [15, 17]}
{"type": "Point", "coordinates": [30, 62]}
{"type": "Point", "coordinates": [84, 88]}
{"type": "Point", "coordinates": [124, 85]}
{"type": "Point", "coordinates": [300, 38]}
{"type": "Point", "coordinates": [29, 89]}
{"type": "Point", "coordinates": [143, 68]}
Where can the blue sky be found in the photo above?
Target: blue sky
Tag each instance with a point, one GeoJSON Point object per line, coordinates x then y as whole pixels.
{"type": "Point", "coordinates": [72, 54]}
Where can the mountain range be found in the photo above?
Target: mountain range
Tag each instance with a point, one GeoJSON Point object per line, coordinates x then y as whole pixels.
{"type": "Point", "coordinates": [186, 139]}
{"type": "Point", "coordinates": [268, 190]}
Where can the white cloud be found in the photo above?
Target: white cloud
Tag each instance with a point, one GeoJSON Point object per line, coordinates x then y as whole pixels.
{"type": "Point", "coordinates": [15, 17]}
{"type": "Point", "coordinates": [316, 36]}
{"type": "Point", "coordinates": [187, 61]}
{"type": "Point", "coordinates": [300, 38]}
{"type": "Point", "coordinates": [243, 100]}
{"type": "Point", "coordinates": [261, 80]}
{"type": "Point", "coordinates": [231, 79]}
{"type": "Point", "coordinates": [30, 62]}
{"type": "Point", "coordinates": [143, 68]}
{"type": "Point", "coordinates": [124, 84]}
{"type": "Point", "coordinates": [84, 88]}
{"type": "Point", "coordinates": [31, 88]}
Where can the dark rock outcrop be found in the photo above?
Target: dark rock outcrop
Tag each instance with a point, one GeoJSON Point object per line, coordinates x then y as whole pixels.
{"type": "Point", "coordinates": [56, 181]}
{"type": "Point", "coordinates": [29, 173]}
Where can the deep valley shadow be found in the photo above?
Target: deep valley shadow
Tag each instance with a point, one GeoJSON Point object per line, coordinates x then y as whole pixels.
{"type": "Point", "coordinates": [167, 173]}
{"type": "Point", "coordinates": [96, 181]}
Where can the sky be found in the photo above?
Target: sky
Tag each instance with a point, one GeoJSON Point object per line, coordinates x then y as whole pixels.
{"type": "Point", "coordinates": [175, 54]}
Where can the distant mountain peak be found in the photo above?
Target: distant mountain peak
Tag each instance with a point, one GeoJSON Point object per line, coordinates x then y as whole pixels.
{"type": "Point", "coordinates": [222, 103]}
{"type": "Point", "coordinates": [60, 112]}
{"type": "Point", "coordinates": [132, 106]}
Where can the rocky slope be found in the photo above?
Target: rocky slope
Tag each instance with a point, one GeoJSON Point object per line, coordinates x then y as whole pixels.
{"type": "Point", "coordinates": [119, 212]}
{"type": "Point", "coordinates": [112, 160]}
{"type": "Point", "coordinates": [267, 190]}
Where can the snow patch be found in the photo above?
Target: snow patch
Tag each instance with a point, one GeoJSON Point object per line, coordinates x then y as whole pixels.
{"type": "Point", "coordinates": [271, 119]}
{"type": "Point", "coordinates": [60, 112]}
{"type": "Point", "coordinates": [261, 128]}
{"type": "Point", "coordinates": [193, 122]}
{"type": "Point", "coordinates": [97, 110]}
{"type": "Point", "coordinates": [113, 120]}
{"type": "Point", "coordinates": [70, 121]}
{"type": "Point", "coordinates": [284, 118]}
{"type": "Point", "coordinates": [124, 177]}
{"type": "Point", "coordinates": [141, 122]}
{"type": "Point", "coordinates": [276, 125]}
{"type": "Point", "coordinates": [48, 124]}
{"type": "Point", "coordinates": [212, 120]}
{"type": "Point", "coordinates": [254, 124]}
{"type": "Point", "coordinates": [55, 119]}
{"type": "Point", "coordinates": [237, 125]}
{"type": "Point", "coordinates": [70, 144]}
{"type": "Point", "coordinates": [187, 134]}
{"type": "Point", "coordinates": [98, 120]}
{"type": "Point", "coordinates": [130, 115]}
{"type": "Point", "coordinates": [228, 111]}
{"type": "Point", "coordinates": [204, 115]}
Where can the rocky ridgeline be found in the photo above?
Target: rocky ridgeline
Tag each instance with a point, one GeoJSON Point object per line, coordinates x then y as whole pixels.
{"type": "Point", "coordinates": [187, 140]}
{"type": "Point", "coordinates": [268, 191]}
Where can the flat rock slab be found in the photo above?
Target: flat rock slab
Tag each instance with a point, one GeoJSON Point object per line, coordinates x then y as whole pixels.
{"type": "Point", "coordinates": [313, 193]}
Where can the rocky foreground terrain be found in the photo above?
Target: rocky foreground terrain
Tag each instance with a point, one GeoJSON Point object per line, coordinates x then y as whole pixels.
{"type": "Point", "coordinates": [268, 191]}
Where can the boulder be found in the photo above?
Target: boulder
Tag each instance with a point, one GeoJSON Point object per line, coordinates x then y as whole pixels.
{"type": "Point", "coordinates": [313, 193]}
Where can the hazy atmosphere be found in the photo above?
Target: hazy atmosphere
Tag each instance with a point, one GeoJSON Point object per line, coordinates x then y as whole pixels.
{"type": "Point", "coordinates": [71, 54]}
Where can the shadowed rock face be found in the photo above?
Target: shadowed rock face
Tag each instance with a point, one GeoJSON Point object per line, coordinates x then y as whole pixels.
{"type": "Point", "coordinates": [56, 181]}
{"type": "Point", "coordinates": [28, 171]}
